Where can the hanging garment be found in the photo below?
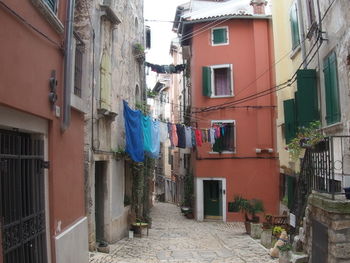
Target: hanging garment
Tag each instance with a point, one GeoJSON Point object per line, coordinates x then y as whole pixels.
{"type": "Point", "coordinates": [198, 135]}
{"type": "Point", "coordinates": [155, 147]}
{"type": "Point", "coordinates": [188, 133]}
{"type": "Point", "coordinates": [180, 129]}
{"type": "Point", "coordinates": [147, 134]}
{"type": "Point", "coordinates": [133, 133]}
{"type": "Point", "coordinates": [163, 132]}
{"type": "Point", "coordinates": [229, 138]}
{"type": "Point", "coordinates": [212, 135]}
{"type": "Point", "coordinates": [208, 135]}
{"type": "Point", "coordinates": [193, 137]}
{"type": "Point", "coordinates": [174, 135]}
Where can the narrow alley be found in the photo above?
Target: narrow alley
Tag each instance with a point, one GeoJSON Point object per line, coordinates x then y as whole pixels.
{"type": "Point", "coordinates": [174, 238]}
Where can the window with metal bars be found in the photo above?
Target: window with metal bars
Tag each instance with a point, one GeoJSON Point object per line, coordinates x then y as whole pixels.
{"type": "Point", "coordinates": [52, 4]}
{"type": "Point", "coordinates": [78, 66]}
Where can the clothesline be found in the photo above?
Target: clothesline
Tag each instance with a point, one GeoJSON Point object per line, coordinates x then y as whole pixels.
{"type": "Point", "coordinates": [144, 135]}
{"type": "Point", "coordinates": [164, 69]}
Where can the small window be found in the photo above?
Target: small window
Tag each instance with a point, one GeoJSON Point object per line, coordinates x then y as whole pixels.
{"type": "Point", "coordinates": [218, 81]}
{"type": "Point", "coordinates": [78, 66]}
{"type": "Point", "coordinates": [226, 142]}
{"type": "Point", "coordinates": [294, 24]}
{"type": "Point", "coordinates": [219, 36]}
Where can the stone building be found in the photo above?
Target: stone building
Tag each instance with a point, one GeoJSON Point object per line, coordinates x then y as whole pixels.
{"type": "Point", "coordinates": [113, 56]}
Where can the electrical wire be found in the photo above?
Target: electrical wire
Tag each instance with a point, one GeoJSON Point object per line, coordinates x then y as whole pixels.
{"type": "Point", "coordinates": [24, 21]}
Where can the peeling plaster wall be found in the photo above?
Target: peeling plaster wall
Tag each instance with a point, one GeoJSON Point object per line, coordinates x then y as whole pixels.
{"type": "Point", "coordinates": [102, 134]}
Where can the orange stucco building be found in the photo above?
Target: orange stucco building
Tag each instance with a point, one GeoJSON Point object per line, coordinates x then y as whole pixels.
{"type": "Point", "coordinates": [232, 79]}
{"type": "Point", "coordinates": [41, 147]}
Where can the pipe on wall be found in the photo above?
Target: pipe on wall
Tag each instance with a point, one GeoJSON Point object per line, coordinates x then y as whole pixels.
{"type": "Point", "coordinates": [68, 66]}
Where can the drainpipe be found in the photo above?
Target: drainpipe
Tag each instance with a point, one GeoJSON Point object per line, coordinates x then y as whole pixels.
{"type": "Point", "coordinates": [68, 66]}
{"type": "Point", "coordinates": [302, 33]}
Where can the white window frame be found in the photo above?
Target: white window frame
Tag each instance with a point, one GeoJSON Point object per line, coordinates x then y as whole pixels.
{"type": "Point", "coordinates": [227, 36]}
{"type": "Point", "coordinates": [213, 80]}
{"type": "Point", "coordinates": [50, 15]}
{"type": "Point", "coordinates": [235, 138]}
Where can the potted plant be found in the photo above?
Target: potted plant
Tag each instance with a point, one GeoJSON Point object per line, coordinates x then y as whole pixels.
{"type": "Point", "coordinates": [138, 51]}
{"type": "Point", "coordinates": [250, 207]}
{"type": "Point", "coordinates": [310, 137]}
{"type": "Point", "coordinates": [285, 253]}
{"type": "Point", "coordinates": [235, 205]}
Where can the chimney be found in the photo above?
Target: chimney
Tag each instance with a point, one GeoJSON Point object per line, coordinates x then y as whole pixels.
{"type": "Point", "coordinates": [258, 6]}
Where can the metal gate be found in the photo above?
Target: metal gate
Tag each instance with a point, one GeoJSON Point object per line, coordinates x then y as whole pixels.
{"type": "Point", "coordinates": [22, 199]}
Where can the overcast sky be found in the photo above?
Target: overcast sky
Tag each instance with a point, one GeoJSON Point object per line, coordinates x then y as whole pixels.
{"type": "Point", "coordinates": [161, 32]}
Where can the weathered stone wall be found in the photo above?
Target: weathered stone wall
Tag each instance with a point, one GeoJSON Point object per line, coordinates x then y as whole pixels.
{"type": "Point", "coordinates": [103, 135]}
{"type": "Point", "coordinates": [335, 215]}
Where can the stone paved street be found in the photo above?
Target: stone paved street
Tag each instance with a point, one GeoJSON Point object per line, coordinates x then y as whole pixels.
{"type": "Point", "coordinates": [174, 238]}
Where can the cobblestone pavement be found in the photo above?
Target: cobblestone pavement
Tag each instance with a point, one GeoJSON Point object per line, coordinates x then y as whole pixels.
{"type": "Point", "coordinates": [174, 238]}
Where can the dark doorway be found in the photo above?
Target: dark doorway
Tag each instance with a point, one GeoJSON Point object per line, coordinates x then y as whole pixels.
{"type": "Point", "coordinates": [22, 197]}
{"type": "Point", "coordinates": [212, 199]}
{"type": "Point", "coordinates": [319, 242]}
{"type": "Point", "coordinates": [100, 192]}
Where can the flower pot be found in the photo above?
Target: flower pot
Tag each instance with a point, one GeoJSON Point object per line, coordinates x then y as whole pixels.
{"type": "Point", "coordinates": [284, 257]}
{"type": "Point", "coordinates": [347, 192]}
{"type": "Point", "coordinates": [255, 230]}
{"type": "Point", "coordinates": [266, 238]}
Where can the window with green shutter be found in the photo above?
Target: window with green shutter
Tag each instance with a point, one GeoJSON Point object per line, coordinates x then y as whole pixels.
{"type": "Point", "coordinates": [306, 98]}
{"type": "Point", "coordinates": [220, 36]}
{"type": "Point", "coordinates": [289, 119]}
{"type": "Point", "coordinates": [206, 81]}
{"type": "Point", "coordinates": [51, 4]}
{"type": "Point", "coordinates": [294, 23]}
{"type": "Point", "coordinates": [331, 89]}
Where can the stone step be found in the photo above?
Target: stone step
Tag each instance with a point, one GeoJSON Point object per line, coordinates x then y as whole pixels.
{"type": "Point", "coordinates": [299, 258]}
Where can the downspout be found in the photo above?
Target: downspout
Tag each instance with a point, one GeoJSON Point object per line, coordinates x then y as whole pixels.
{"type": "Point", "coordinates": [302, 33]}
{"type": "Point", "coordinates": [68, 66]}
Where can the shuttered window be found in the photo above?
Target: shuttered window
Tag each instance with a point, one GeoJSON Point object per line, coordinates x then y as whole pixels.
{"type": "Point", "coordinates": [294, 26]}
{"type": "Point", "coordinates": [51, 4]}
{"type": "Point", "coordinates": [206, 81]}
{"type": "Point", "coordinates": [105, 81]}
{"type": "Point", "coordinates": [306, 99]}
{"type": "Point", "coordinates": [220, 36]}
{"type": "Point", "coordinates": [331, 89]}
{"type": "Point", "coordinates": [289, 119]}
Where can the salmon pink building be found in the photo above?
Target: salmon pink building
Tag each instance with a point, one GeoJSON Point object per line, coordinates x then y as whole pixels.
{"type": "Point", "coordinates": [232, 82]}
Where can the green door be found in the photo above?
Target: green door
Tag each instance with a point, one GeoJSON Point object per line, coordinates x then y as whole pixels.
{"type": "Point", "coordinates": [212, 199]}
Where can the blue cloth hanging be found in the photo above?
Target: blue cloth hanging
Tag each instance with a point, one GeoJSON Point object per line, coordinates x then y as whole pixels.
{"type": "Point", "coordinates": [155, 147]}
{"type": "Point", "coordinates": [133, 132]}
{"type": "Point", "coordinates": [147, 134]}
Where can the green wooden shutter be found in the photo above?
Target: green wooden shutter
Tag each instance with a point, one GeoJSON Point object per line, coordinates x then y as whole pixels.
{"type": "Point", "coordinates": [331, 89]}
{"type": "Point", "coordinates": [105, 81]}
{"type": "Point", "coordinates": [219, 36]}
{"type": "Point", "coordinates": [306, 98]}
{"type": "Point", "coordinates": [206, 81]}
{"type": "Point", "coordinates": [289, 119]}
{"type": "Point", "coordinates": [294, 26]}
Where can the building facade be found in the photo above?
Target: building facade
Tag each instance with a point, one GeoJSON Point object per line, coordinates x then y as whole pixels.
{"type": "Point", "coordinates": [42, 136]}
{"type": "Point", "coordinates": [231, 55]}
{"type": "Point", "coordinates": [113, 33]}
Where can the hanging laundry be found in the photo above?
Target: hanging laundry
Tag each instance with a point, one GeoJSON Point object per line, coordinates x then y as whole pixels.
{"type": "Point", "coordinates": [163, 132]}
{"type": "Point", "coordinates": [208, 135]}
{"type": "Point", "coordinates": [147, 134]}
{"type": "Point", "coordinates": [163, 69]}
{"type": "Point", "coordinates": [155, 146]}
{"type": "Point", "coordinates": [174, 135]}
{"type": "Point", "coordinates": [212, 135]}
{"type": "Point", "coordinates": [188, 133]}
{"type": "Point", "coordinates": [193, 137]}
{"type": "Point", "coordinates": [180, 129]}
{"type": "Point", "coordinates": [133, 133]}
{"type": "Point", "coordinates": [198, 134]}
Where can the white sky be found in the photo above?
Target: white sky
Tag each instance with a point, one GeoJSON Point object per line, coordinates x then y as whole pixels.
{"type": "Point", "coordinates": [161, 32]}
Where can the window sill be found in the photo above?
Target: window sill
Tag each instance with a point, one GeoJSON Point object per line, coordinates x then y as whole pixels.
{"type": "Point", "coordinates": [224, 152]}
{"type": "Point", "coordinates": [49, 15]}
{"type": "Point", "coordinates": [333, 128]}
{"type": "Point", "coordinates": [219, 97]}
{"type": "Point", "coordinates": [295, 52]}
{"type": "Point", "coordinates": [78, 103]}
{"type": "Point", "coordinates": [222, 44]}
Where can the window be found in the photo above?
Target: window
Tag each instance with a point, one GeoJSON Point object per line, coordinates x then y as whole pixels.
{"type": "Point", "coordinates": [218, 81]}
{"type": "Point", "coordinates": [219, 36]}
{"type": "Point", "coordinates": [226, 143]}
{"type": "Point", "coordinates": [294, 23]}
{"type": "Point", "coordinates": [78, 66]}
{"type": "Point", "coordinates": [331, 89]}
{"type": "Point", "coordinates": [51, 4]}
